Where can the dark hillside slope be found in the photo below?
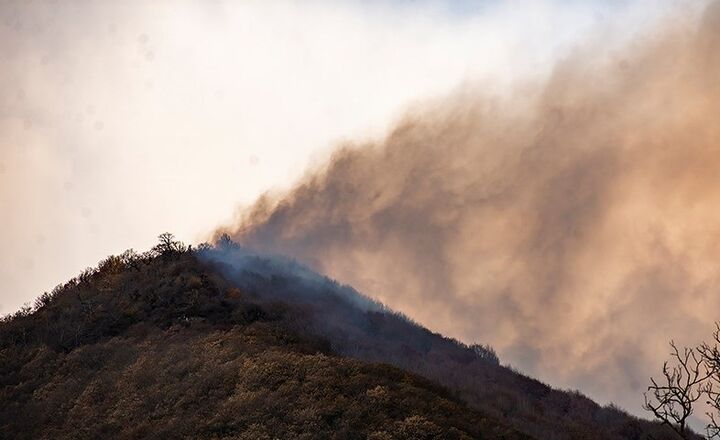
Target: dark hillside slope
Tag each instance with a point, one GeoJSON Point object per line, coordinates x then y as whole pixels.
{"type": "Point", "coordinates": [356, 326]}
{"type": "Point", "coordinates": [162, 346]}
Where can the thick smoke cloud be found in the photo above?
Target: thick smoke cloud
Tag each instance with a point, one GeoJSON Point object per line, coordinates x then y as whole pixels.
{"type": "Point", "coordinates": [123, 119]}
{"type": "Point", "coordinates": [571, 224]}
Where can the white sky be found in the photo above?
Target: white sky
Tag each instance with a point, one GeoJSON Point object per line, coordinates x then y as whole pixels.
{"type": "Point", "coordinates": [122, 120]}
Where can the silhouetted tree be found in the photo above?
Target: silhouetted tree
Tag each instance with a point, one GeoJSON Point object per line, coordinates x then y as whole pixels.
{"type": "Point", "coordinates": [711, 357]}
{"type": "Point", "coordinates": [226, 243]}
{"type": "Point", "coordinates": [168, 244]}
{"type": "Point", "coordinates": [204, 247]}
{"type": "Point", "coordinates": [672, 398]}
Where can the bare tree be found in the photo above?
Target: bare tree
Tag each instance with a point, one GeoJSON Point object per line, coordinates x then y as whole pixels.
{"type": "Point", "coordinates": [684, 383]}
{"type": "Point", "coordinates": [711, 357]}
{"type": "Point", "coordinates": [168, 244]}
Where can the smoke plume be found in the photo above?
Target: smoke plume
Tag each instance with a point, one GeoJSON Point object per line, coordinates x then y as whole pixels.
{"type": "Point", "coordinates": [573, 224]}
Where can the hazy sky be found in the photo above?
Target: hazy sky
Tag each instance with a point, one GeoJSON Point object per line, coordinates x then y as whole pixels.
{"type": "Point", "coordinates": [120, 120]}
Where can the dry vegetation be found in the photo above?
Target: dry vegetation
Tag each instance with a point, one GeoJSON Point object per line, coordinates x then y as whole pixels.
{"type": "Point", "coordinates": [156, 346]}
{"type": "Point", "coordinates": [220, 343]}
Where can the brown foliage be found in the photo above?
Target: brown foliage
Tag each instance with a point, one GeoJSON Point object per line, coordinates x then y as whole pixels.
{"type": "Point", "coordinates": [168, 349]}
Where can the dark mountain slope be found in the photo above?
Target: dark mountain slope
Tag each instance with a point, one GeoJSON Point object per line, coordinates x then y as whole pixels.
{"type": "Point", "coordinates": [357, 327]}
{"type": "Point", "coordinates": [222, 343]}
{"type": "Point", "coordinates": [160, 346]}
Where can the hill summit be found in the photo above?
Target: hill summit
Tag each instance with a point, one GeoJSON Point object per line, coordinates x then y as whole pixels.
{"type": "Point", "coordinates": [220, 342]}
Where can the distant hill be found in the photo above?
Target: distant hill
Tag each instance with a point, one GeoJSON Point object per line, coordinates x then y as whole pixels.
{"type": "Point", "coordinates": [222, 343]}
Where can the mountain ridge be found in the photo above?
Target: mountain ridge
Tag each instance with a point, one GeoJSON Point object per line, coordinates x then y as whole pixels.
{"type": "Point", "coordinates": [134, 348]}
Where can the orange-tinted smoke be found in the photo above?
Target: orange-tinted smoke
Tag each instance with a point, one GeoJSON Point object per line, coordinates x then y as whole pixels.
{"type": "Point", "coordinates": [574, 225]}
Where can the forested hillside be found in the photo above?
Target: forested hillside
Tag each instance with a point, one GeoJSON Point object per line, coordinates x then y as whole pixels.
{"type": "Point", "coordinates": [157, 346]}
{"type": "Point", "coordinates": [221, 343]}
{"type": "Point", "coordinates": [358, 327]}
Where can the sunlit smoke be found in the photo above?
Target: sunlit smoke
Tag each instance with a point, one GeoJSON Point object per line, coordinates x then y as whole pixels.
{"type": "Point", "coordinates": [123, 119]}
{"type": "Point", "coordinates": [571, 223]}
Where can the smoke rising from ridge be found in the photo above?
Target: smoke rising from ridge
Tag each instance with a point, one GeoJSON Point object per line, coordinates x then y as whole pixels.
{"type": "Point", "coordinates": [119, 120]}
{"type": "Point", "coordinates": [571, 224]}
